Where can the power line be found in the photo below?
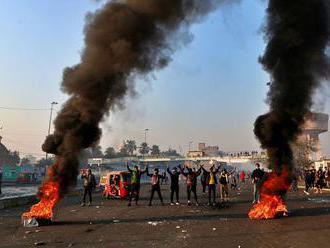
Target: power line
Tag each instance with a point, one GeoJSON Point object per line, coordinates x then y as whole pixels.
{"type": "Point", "coordinates": [24, 109]}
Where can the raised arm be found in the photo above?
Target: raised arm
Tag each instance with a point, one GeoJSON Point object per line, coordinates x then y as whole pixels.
{"type": "Point", "coordinates": [199, 171]}
{"type": "Point", "coordinates": [148, 174]}
{"type": "Point", "coordinates": [145, 170]}
{"type": "Point", "coordinates": [182, 171]}
{"type": "Point", "coordinates": [202, 166]}
{"type": "Point", "coordinates": [129, 169]}
{"type": "Point", "coordinates": [169, 171]}
{"type": "Point", "coordinates": [218, 169]}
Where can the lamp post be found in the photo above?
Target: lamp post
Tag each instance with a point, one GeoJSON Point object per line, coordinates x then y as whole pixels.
{"type": "Point", "coordinates": [145, 139]}
{"type": "Point", "coordinates": [145, 134]}
{"type": "Point", "coordinates": [190, 142]}
{"type": "Point", "coordinates": [50, 120]}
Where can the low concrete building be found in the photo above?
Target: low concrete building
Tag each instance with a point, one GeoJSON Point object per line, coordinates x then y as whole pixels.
{"type": "Point", "coordinates": [315, 124]}
{"type": "Point", "coordinates": [195, 154]}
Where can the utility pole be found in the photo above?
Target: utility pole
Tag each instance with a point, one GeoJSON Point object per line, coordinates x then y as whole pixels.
{"type": "Point", "coordinates": [145, 139]}
{"type": "Point", "coordinates": [50, 120]}
{"type": "Point", "coordinates": [190, 142]}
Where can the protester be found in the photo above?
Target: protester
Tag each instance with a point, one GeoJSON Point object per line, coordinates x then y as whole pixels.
{"type": "Point", "coordinates": [294, 184]}
{"type": "Point", "coordinates": [313, 176]}
{"type": "Point", "coordinates": [212, 182]}
{"type": "Point", "coordinates": [257, 174]}
{"type": "Point", "coordinates": [155, 185]}
{"type": "Point", "coordinates": [136, 174]}
{"type": "Point", "coordinates": [191, 180]}
{"type": "Point", "coordinates": [320, 180]}
{"type": "Point", "coordinates": [233, 182]}
{"type": "Point", "coordinates": [308, 180]}
{"type": "Point", "coordinates": [89, 184]}
{"type": "Point", "coordinates": [327, 176]}
{"type": "Point", "coordinates": [204, 178]}
{"type": "Point", "coordinates": [242, 177]}
{"type": "Point", "coordinates": [224, 193]}
{"type": "Point", "coordinates": [174, 174]}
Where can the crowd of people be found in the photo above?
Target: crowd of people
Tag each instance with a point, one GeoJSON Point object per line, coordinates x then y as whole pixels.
{"type": "Point", "coordinates": [212, 178]}
{"type": "Point", "coordinates": [316, 179]}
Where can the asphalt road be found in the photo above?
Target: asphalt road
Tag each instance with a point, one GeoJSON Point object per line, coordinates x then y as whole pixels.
{"type": "Point", "coordinates": [110, 223]}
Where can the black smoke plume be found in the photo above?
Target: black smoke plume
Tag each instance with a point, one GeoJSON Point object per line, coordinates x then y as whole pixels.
{"type": "Point", "coordinates": [123, 39]}
{"type": "Point", "coordinates": [297, 32]}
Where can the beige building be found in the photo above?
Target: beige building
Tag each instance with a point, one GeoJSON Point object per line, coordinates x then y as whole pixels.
{"type": "Point", "coordinates": [195, 154]}
{"type": "Point", "coordinates": [316, 123]}
{"type": "Point", "coordinates": [208, 150]}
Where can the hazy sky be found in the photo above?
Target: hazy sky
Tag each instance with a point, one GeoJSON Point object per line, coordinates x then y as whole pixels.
{"type": "Point", "coordinates": [212, 91]}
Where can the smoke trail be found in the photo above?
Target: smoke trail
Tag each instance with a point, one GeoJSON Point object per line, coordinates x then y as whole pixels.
{"type": "Point", "coordinates": [298, 34]}
{"type": "Point", "coordinates": [123, 39]}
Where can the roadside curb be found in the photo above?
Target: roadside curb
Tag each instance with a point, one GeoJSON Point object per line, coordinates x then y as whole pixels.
{"type": "Point", "coordinates": [17, 201]}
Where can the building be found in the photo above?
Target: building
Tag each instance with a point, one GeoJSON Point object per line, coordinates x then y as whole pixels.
{"type": "Point", "coordinates": [315, 124]}
{"type": "Point", "coordinates": [323, 163]}
{"type": "Point", "coordinates": [208, 150]}
{"type": "Point", "coordinates": [195, 154]}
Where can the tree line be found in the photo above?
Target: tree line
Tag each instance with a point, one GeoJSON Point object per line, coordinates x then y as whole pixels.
{"type": "Point", "coordinates": [128, 148]}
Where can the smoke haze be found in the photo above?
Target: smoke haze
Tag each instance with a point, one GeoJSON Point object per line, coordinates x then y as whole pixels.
{"type": "Point", "coordinates": [123, 39]}
{"type": "Point", "coordinates": [297, 32]}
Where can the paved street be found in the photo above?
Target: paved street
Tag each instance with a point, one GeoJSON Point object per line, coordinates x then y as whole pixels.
{"type": "Point", "coordinates": [110, 223]}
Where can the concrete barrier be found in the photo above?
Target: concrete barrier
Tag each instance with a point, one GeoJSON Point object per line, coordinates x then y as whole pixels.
{"type": "Point", "coordinates": [17, 201]}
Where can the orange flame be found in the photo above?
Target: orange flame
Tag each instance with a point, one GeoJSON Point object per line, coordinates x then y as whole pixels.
{"type": "Point", "coordinates": [49, 194]}
{"type": "Point", "coordinates": [271, 191]}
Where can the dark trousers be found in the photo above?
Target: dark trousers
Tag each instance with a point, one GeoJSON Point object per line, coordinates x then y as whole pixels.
{"type": "Point", "coordinates": [175, 188]}
{"type": "Point", "coordinates": [191, 188]}
{"type": "Point", "coordinates": [307, 185]}
{"type": "Point", "coordinates": [87, 190]}
{"type": "Point", "coordinates": [135, 189]}
{"type": "Point", "coordinates": [212, 188]}
{"type": "Point", "coordinates": [204, 186]}
{"type": "Point", "coordinates": [157, 189]}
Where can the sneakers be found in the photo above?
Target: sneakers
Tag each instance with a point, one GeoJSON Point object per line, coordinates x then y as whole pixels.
{"type": "Point", "coordinates": [82, 204]}
{"type": "Point", "coordinates": [197, 204]}
{"type": "Point", "coordinates": [189, 203]}
{"type": "Point", "coordinates": [172, 204]}
{"type": "Point", "coordinates": [89, 204]}
{"type": "Point", "coordinates": [177, 203]}
{"type": "Point", "coordinates": [307, 193]}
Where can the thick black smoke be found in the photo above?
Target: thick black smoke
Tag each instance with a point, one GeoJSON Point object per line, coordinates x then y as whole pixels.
{"type": "Point", "coordinates": [123, 39]}
{"type": "Point", "coordinates": [297, 32]}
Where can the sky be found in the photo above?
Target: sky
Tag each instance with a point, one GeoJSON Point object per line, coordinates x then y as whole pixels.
{"type": "Point", "coordinates": [211, 92]}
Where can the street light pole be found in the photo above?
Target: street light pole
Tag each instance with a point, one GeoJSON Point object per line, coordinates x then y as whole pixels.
{"type": "Point", "coordinates": [145, 135]}
{"type": "Point", "coordinates": [50, 120]}
{"type": "Point", "coordinates": [145, 139]}
{"type": "Point", "coordinates": [190, 142]}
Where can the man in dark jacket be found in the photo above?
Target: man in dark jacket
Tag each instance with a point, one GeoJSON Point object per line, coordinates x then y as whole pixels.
{"type": "Point", "coordinates": [212, 182]}
{"type": "Point", "coordinates": [136, 174]}
{"type": "Point", "coordinates": [155, 185]}
{"type": "Point", "coordinates": [174, 174]}
{"type": "Point", "coordinates": [257, 174]}
{"type": "Point", "coordinates": [89, 184]}
{"type": "Point", "coordinates": [204, 178]}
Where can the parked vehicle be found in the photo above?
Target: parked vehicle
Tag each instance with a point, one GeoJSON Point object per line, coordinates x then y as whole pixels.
{"type": "Point", "coordinates": [116, 184]}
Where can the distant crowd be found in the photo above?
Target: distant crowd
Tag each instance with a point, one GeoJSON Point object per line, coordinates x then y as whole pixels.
{"type": "Point", "coordinates": [316, 179]}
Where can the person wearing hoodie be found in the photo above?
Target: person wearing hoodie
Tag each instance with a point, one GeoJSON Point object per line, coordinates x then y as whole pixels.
{"type": "Point", "coordinates": [155, 185]}
{"type": "Point", "coordinates": [174, 175]}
